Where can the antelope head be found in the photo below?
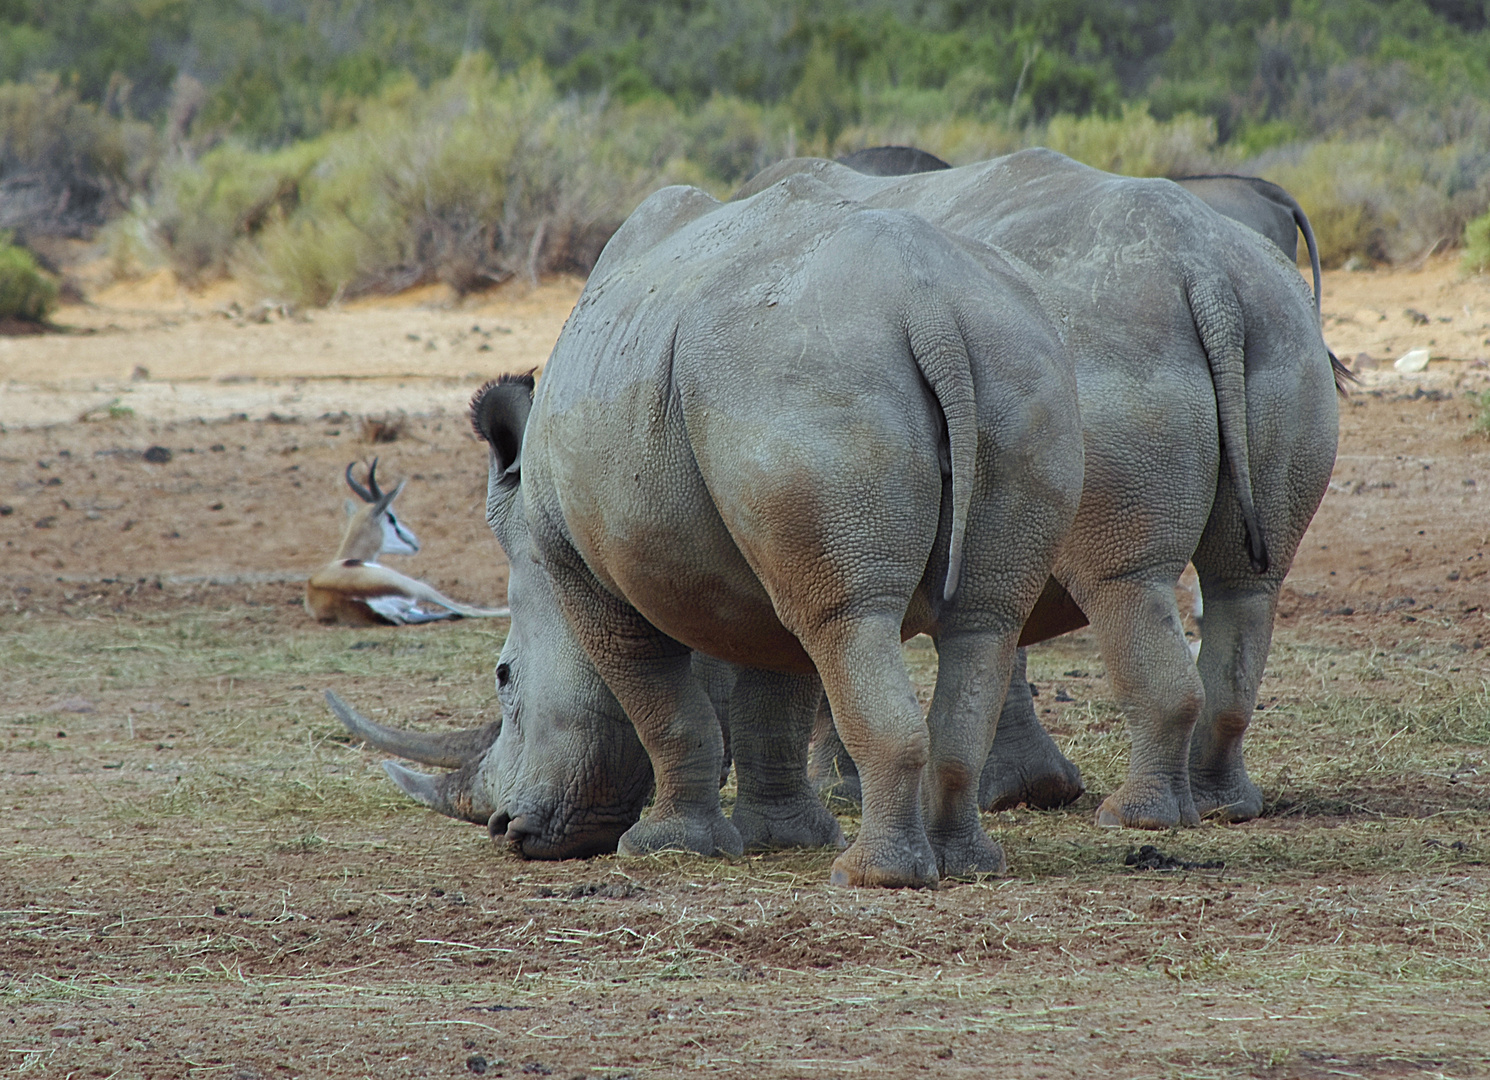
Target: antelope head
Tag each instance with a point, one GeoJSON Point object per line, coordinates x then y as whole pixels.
{"type": "Point", "coordinates": [372, 529]}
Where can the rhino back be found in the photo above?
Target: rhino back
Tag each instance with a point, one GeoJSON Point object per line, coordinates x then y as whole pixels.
{"type": "Point", "coordinates": [742, 376]}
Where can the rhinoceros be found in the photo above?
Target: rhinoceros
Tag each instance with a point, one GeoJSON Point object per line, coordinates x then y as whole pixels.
{"type": "Point", "coordinates": [1257, 203]}
{"type": "Point", "coordinates": [1261, 205]}
{"type": "Point", "coordinates": [1208, 407]}
{"type": "Point", "coordinates": [786, 433]}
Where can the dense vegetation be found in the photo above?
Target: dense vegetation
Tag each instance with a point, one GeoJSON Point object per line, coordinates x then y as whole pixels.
{"type": "Point", "coordinates": [334, 145]}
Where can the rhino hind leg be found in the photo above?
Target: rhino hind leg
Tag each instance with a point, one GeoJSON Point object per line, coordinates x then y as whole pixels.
{"type": "Point", "coordinates": [1024, 765]}
{"type": "Point", "coordinates": [1233, 653]}
{"type": "Point", "coordinates": [1142, 641]}
{"type": "Point", "coordinates": [972, 681]}
{"type": "Point", "coordinates": [771, 718]}
{"type": "Point", "coordinates": [875, 709]}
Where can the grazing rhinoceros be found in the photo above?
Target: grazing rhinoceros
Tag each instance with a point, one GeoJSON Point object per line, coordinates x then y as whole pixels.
{"type": "Point", "coordinates": [1208, 406]}
{"type": "Point", "coordinates": [787, 433]}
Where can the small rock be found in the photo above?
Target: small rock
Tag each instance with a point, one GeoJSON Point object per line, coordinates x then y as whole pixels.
{"type": "Point", "coordinates": [157, 455]}
{"type": "Point", "coordinates": [1412, 360]}
{"type": "Point", "coordinates": [74, 705]}
{"type": "Point", "coordinates": [1417, 317]}
{"type": "Point", "coordinates": [139, 374]}
{"type": "Point", "coordinates": [69, 1030]}
{"type": "Point", "coordinates": [1364, 362]}
{"type": "Point", "coordinates": [476, 1064]}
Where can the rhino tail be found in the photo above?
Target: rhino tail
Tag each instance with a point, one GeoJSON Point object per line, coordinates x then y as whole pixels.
{"type": "Point", "coordinates": [447, 750]}
{"type": "Point", "coordinates": [1218, 320]}
{"type": "Point", "coordinates": [1343, 375]}
{"type": "Point", "coordinates": [941, 354]}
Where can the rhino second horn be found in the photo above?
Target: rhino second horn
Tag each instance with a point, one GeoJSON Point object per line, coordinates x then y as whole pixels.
{"type": "Point", "coordinates": [445, 750]}
{"type": "Point", "coordinates": [447, 793]}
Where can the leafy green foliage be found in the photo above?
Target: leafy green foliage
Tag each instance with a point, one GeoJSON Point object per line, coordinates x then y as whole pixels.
{"type": "Point", "coordinates": [476, 179]}
{"type": "Point", "coordinates": [1378, 110]}
{"type": "Point", "coordinates": [25, 292]}
{"type": "Point", "coordinates": [1477, 245]}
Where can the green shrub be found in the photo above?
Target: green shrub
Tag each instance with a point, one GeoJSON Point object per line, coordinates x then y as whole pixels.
{"type": "Point", "coordinates": [203, 210]}
{"type": "Point", "coordinates": [66, 167]}
{"type": "Point", "coordinates": [25, 292]}
{"type": "Point", "coordinates": [479, 178]}
{"type": "Point", "coordinates": [1136, 144]}
{"type": "Point", "coordinates": [1477, 257]}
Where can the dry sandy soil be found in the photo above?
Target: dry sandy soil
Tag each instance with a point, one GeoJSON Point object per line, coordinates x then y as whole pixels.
{"type": "Point", "coordinates": [200, 877]}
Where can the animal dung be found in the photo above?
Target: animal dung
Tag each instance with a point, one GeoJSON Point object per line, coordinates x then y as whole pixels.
{"type": "Point", "coordinates": [1412, 360]}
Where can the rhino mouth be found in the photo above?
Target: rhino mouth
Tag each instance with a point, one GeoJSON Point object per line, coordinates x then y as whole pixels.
{"type": "Point", "coordinates": [532, 835]}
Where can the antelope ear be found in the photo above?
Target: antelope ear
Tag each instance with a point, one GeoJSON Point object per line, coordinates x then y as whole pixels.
{"type": "Point", "coordinates": [499, 414]}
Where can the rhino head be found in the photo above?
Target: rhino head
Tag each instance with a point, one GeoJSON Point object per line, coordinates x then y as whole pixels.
{"type": "Point", "coordinates": [562, 773]}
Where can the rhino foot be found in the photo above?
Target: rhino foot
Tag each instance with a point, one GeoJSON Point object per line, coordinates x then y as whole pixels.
{"type": "Point", "coordinates": [887, 862]}
{"type": "Point", "coordinates": [698, 832]}
{"type": "Point", "coordinates": [966, 856]}
{"type": "Point", "coordinates": [1226, 798]}
{"type": "Point", "coordinates": [804, 824]}
{"type": "Point", "coordinates": [1148, 806]}
{"type": "Point", "coordinates": [1044, 784]}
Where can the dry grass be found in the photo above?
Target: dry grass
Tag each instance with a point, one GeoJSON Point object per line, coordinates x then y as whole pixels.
{"type": "Point", "coordinates": [236, 858]}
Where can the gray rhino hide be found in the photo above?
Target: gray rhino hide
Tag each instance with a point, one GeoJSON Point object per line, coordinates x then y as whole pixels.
{"type": "Point", "coordinates": [1208, 407]}
{"type": "Point", "coordinates": [786, 433]}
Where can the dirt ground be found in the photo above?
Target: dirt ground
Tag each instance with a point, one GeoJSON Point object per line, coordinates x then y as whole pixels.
{"type": "Point", "coordinates": [200, 877]}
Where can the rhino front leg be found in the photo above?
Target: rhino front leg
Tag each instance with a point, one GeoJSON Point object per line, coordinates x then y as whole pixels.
{"type": "Point", "coordinates": [653, 678]}
{"type": "Point", "coordinates": [770, 720]}
{"type": "Point", "coordinates": [1025, 765]}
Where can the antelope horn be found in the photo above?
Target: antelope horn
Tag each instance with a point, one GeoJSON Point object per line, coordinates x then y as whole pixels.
{"type": "Point", "coordinates": [446, 750]}
{"type": "Point", "coordinates": [372, 481]}
{"type": "Point", "coordinates": [362, 492]}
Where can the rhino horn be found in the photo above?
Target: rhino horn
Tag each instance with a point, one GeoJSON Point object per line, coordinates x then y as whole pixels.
{"type": "Point", "coordinates": [446, 749]}
{"type": "Point", "coordinates": [446, 793]}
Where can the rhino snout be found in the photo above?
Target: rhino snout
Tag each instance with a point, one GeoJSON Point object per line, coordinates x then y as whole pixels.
{"type": "Point", "coordinates": [534, 834]}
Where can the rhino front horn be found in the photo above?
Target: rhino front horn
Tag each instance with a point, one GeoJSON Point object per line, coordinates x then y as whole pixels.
{"type": "Point", "coordinates": [448, 793]}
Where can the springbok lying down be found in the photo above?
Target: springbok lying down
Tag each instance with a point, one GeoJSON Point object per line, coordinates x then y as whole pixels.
{"type": "Point", "coordinates": [356, 590]}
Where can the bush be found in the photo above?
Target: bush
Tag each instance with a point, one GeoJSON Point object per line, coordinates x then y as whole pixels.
{"type": "Point", "coordinates": [65, 167]}
{"type": "Point", "coordinates": [25, 292]}
{"type": "Point", "coordinates": [1477, 252]}
{"type": "Point", "coordinates": [475, 180]}
{"type": "Point", "coordinates": [203, 210]}
{"type": "Point", "coordinates": [1136, 144]}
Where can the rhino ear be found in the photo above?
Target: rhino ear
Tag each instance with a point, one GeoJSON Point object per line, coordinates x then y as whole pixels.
{"type": "Point", "coordinates": [499, 414]}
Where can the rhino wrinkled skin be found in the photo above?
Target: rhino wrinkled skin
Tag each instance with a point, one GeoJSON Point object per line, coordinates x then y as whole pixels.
{"type": "Point", "coordinates": [1208, 405]}
{"type": "Point", "coordinates": [785, 432]}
